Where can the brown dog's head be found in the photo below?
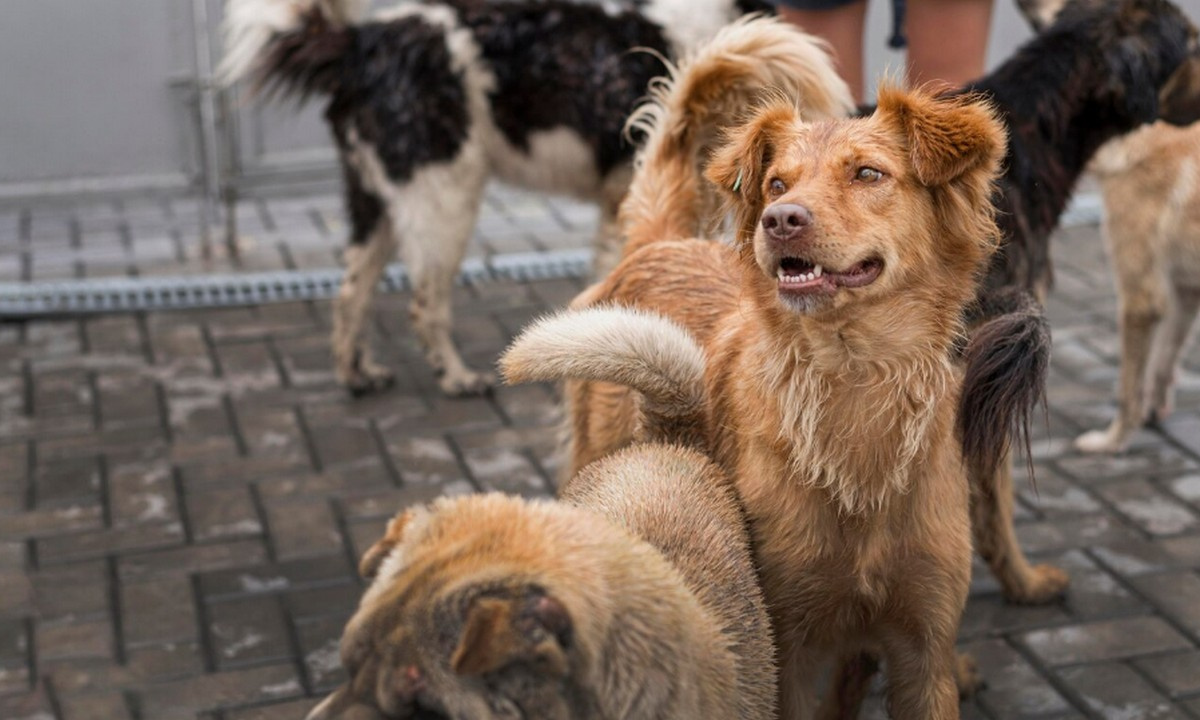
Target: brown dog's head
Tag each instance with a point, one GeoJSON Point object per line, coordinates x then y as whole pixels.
{"type": "Point", "coordinates": [459, 621]}
{"type": "Point", "coordinates": [840, 212]}
{"type": "Point", "coordinates": [1149, 49]}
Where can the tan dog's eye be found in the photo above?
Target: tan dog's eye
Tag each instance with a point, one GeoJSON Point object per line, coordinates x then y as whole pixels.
{"type": "Point", "coordinates": [777, 188]}
{"type": "Point", "coordinates": [868, 175]}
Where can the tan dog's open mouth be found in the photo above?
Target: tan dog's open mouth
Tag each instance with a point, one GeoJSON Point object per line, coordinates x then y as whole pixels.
{"type": "Point", "coordinates": [799, 276]}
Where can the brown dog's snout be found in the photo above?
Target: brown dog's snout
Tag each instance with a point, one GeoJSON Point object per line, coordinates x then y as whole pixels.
{"type": "Point", "coordinates": [786, 222]}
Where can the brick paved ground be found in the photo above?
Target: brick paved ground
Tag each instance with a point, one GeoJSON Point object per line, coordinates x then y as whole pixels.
{"type": "Point", "coordinates": [158, 236]}
{"type": "Point", "coordinates": [183, 498]}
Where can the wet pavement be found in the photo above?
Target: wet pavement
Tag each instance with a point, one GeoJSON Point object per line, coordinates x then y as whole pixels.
{"type": "Point", "coordinates": [184, 496]}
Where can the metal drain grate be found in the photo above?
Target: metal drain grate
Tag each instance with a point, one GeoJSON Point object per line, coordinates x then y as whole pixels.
{"type": "Point", "coordinates": [108, 295]}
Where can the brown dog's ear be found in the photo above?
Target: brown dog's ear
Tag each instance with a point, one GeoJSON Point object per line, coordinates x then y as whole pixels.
{"type": "Point", "coordinates": [946, 136]}
{"type": "Point", "coordinates": [737, 166]}
{"type": "Point", "coordinates": [377, 553]}
{"type": "Point", "coordinates": [501, 631]}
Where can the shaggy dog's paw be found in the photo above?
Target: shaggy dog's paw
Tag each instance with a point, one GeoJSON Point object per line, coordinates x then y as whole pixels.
{"type": "Point", "coordinates": [1044, 584]}
{"type": "Point", "coordinates": [967, 677]}
{"type": "Point", "coordinates": [1099, 441]}
{"type": "Point", "coordinates": [370, 381]}
{"type": "Point", "coordinates": [467, 383]}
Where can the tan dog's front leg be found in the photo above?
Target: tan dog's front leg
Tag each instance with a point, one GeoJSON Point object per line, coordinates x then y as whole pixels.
{"type": "Point", "coordinates": [922, 678]}
{"type": "Point", "coordinates": [996, 541]}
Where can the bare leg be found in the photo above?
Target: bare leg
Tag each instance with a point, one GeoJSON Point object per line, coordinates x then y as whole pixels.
{"type": "Point", "coordinates": [842, 27]}
{"type": "Point", "coordinates": [1169, 344]}
{"type": "Point", "coordinates": [947, 40]}
{"type": "Point", "coordinates": [996, 541]}
{"type": "Point", "coordinates": [365, 263]}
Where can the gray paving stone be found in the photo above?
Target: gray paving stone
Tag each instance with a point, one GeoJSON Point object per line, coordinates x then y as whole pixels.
{"type": "Point", "coordinates": [1115, 692]}
{"type": "Point", "coordinates": [186, 495]}
{"type": "Point", "coordinates": [1104, 640]}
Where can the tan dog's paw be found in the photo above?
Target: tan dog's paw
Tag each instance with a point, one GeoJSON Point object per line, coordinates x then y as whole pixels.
{"type": "Point", "coordinates": [467, 382]}
{"type": "Point", "coordinates": [1099, 441]}
{"type": "Point", "coordinates": [1044, 584]}
{"type": "Point", "coordinates": [967, 676]}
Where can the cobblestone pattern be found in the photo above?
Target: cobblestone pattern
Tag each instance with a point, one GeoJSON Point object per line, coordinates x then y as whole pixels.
{"type": "Point", "coordinates": [163, 236]}
{"type": "Point", "coordinates": [183, 498]}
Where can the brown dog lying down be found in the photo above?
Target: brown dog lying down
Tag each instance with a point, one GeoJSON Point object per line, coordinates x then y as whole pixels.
{"type": "Point", "coordinates": [828, 334]}
{"type": "Point", "coordinates": [635, 596]}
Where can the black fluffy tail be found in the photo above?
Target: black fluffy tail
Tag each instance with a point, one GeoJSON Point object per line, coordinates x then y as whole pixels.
{"type": "Point", "coordinates": [1006, 362]}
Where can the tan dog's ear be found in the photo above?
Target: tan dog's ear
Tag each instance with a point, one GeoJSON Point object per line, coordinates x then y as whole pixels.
{"type": "Point", "coordinates": [946, 136]}
{"type": "Point", "coordinates": [737, 166]}
{"type": "Point", "coordinates": [375, 555]}
{"type": "Point", "coordinates": [501, 631]}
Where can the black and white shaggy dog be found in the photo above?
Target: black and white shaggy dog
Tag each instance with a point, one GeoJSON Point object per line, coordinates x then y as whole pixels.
{"type": "Point", "coordinates": [1102, 69]}
{"type": "Point", "coordinates": [428, 100]}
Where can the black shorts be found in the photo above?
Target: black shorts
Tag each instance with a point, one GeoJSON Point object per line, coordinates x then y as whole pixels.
{"type": "Point", "coordinates": [897, 40]}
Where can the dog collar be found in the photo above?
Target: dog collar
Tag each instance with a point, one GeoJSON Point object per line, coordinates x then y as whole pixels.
{"type": "Point", "coordinates": [737, 184]}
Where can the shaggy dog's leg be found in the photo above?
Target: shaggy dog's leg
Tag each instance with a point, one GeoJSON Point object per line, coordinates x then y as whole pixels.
{"type": "Point", "coordinates": [922, 676]}
{"type": "Point", "coordinates": [434, 225]}
{"type": "Point", "coordinates": [1168, 346]}
{"type": "Point", "coordinates": [798, 684]}
{"type": "Point", "coordinates": [996, 541]}
{"type": "Point", "coordinates": [1141, 315]}
{"type": "Point", "coordinates": [365, 263]}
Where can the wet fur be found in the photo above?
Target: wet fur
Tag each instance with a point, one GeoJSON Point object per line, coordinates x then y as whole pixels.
{"type": "Point", "coordinates": [1149, 182]}
{"type": "Point", "coordinates": [428, 100]}
{"type": "Point", "coordinates": [1102, 69]}
{"type": "Point", "coordinates": [633, 596]}
{"type": "Point", "coordinates": [837, 424]}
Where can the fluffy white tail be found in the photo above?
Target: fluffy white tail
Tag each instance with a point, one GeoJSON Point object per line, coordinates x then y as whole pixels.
{"type": "Point", "coordinates": [251, 25]}
{"type": "Point", "coordinates": [711, 90]}
{"type": "Point", "coordinates": [624, 346]}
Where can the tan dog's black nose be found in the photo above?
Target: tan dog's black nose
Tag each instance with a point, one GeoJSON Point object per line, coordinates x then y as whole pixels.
{"type": "Point", "coordinates": [786, 222]}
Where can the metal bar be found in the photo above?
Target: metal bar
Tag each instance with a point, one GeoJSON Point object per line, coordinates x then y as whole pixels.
{"type": "Point", "coordinates": [207, 118]}
{"type": "Point", "coordinates": [108, 295]}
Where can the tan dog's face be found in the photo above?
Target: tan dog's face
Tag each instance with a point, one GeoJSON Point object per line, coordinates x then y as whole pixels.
{"type": "Point", "coordinates": [442, 634]}
{"type": "Point", "coordinates": [843, 211]}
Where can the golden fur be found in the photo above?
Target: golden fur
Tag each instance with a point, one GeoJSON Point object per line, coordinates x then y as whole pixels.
{"type": "Point", "coordinates": [609, 604]}
{"type": "Point", "coordinates": [1150, 180]}
{"type": "Point", "coordinates": [834, 411]}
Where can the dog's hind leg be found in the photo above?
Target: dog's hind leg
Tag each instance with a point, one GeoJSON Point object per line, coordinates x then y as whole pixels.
{"type": "Point", "coordinates": [1143, 301]}
{"type": "Point", "coordinates": [434, 225]}
{"type": "Point", "coordinates": [996, 541]}
{"type": "Point", "coordinates": [372, 246]}
{"type": "Point", "coordinates": [1168, 347]}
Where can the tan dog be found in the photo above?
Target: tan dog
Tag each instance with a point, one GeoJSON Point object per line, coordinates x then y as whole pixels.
{"type": "Point", "coordinates": [831, 385]}
{"type": "Point", "coordinates": [635, 597]}
{"type": "Point", "coordinates": [1151, 185]}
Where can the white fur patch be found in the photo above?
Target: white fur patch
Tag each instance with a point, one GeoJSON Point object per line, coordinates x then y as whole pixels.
{"type": "Point", "coordinates": [558, 161]}
{"type": "Point", "coordinates": [640, 349]}
{"type": "Point", "coordinates": [250, 24]}
{"type": "Point", "coordinates": [690, 23]}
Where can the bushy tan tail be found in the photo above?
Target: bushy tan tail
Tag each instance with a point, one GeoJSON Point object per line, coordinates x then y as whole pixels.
{"type": "Point", "coordinates": [709, 91]}
{"type": "Point", "coordinates": [638, 349]}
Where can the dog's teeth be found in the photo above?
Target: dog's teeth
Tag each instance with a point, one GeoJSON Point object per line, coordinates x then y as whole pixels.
{"type": "Point", "coordinates": [817, 271]}
{"type": "Point", "coordinates": [810, 277]}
